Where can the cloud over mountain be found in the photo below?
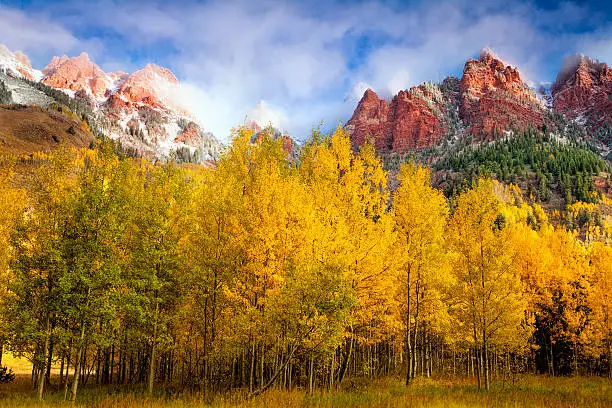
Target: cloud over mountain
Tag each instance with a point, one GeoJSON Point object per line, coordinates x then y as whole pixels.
{"type": "Point", "coordinates": [306, 58]}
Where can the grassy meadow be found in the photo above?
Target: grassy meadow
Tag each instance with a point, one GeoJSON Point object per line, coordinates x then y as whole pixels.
{"type": "Point", "coordinates": [527, 391]}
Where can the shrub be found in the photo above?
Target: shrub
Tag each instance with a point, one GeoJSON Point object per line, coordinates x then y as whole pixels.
{"type": "Point", "coordinates": [6, 375]}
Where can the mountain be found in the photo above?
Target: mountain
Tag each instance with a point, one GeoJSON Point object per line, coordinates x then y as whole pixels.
{"type": "Point", "coordinates": [413, 120]}
{"type": "Point", "coordinates": [141, 110]}
{"type": "Point", "coordinates": [583, 92]}
{"type": "Point", "coordinates": [494, 98]}
{"type": "Point", "coordinates": [488, 102]}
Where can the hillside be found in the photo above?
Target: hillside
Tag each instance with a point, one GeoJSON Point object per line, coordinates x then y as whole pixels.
{"type": "Point", "coordinates": [28, 129]}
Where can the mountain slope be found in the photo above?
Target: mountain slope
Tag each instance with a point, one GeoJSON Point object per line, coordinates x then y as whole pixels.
{"type": "Point", "coordinates": [28, 129]}
{"type": "Point", "coordinates": [494, 98]}
{"type": "Point", "coordinates": [414, 119]}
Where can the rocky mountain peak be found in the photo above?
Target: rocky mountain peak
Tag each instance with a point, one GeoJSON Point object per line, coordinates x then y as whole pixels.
{"type": "Point", "coordinates": [143, 109]}
{"type": "Point", "coordinates": [489, 99]}
{"type": "Point", "coordinates": [583, 91]}
{"type": "Point", "coordinates": [76, 73]}
{"type": "Point", "coordinates": [494, 98]}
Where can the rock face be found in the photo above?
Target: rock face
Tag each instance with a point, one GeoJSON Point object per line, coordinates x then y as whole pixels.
{"type": "Point", "coordinates": [149, 85]}
{"type": "Point", "coordinates": [583, 91]}
{"type": "Point", "coordinates": [75, 74]}
{"type": "Point", "coordinates": [413, 120]}
{"type": "Point", "coordinates": [489, 99]}
{"type": "Point", "coordinates": [495, 99]}
{"type": "Point", "coordinates": [24, 67]}
{"type": "Point", "coordinates": [55, 63]}
{"type": "Point", "coordinates": [190, 135]}
{"type": "Point", "coordinates": [369, 121]}
{"type": "Point", "coordinates": [142, 110]}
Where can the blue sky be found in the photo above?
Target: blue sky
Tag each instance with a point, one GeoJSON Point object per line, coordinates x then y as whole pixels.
{"type": "Point", "coordinates": [308, 61]}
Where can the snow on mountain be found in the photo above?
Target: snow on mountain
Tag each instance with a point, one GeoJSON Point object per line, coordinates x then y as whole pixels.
{"type": "Point", "coordinates": [141, 107]}
{"type": "Point", "coordinates": [22, 93]}
{"type": "Point", "coordinates": [542, 90]}
{"type": "Point", "coordinates": [17, 65]}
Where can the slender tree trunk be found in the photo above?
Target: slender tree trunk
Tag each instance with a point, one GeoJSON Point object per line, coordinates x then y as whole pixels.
{"type": "Point", "coordinates": [67, 370]}
{"type": "Point", "coordinates": [311, 375]}
{"type": "Point", "coordinates": [265, 387]}
{"type": "Point", "coordinates": [609, 358]}
{"type": "Point", "coordinates": [151, 378]}
{"type": "Point", "coordinates": [575, 359]}
{"type": "Point", "coordinates": [407, 339]}
{"type": "Point", "coordinates": [331, 371]}
{"type": "Point", "coordinates": [98, 361]}
{"type": "Point", "coordinates": [552, 359]}
{"type": "Point", "coordinates": [346, 360]}
{"type": "Point", "coordinates": [428, 355]}
{"type": "Point", "coordinates": [77, 363]}
{"type": "Point", "coordinates": [49, 361]}
{"type": "Point", "coordinates": [252, 370]}
{"type": "Point", "coordinates": [41, 376]}
{"type": "Point", "coordinates": [485, 357]}
{"type": "Point", "coordinates": [62, 369]}
{"type": "Point", "coordinates": [476, 352]}
{"type": "Point", "coordinates": [111, 364]}
{"type": "Point", "coordinates": [261, 365]}
{"type": "Point", "coordinates": [416, 329]}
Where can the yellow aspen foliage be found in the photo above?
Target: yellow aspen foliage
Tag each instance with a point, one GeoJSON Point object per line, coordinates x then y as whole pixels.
{"type": "Point", "coordinates": [488, 301]}
{"type": "Point", "coordinates": [351, 199]}
{"type": "Point", "coordinates": [597, 335]}
{"type": "Point", "coordinates": [12, 206]}
{"type": "Point", "coordinates": [424, 276]}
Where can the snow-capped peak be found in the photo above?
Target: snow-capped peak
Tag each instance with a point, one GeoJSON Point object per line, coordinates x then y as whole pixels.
{"type": "Point", "coordinates": [17, 64]}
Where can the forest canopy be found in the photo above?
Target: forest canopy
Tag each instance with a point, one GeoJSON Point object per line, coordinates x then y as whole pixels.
{"type": "Point", "coordinates": [268, 270]}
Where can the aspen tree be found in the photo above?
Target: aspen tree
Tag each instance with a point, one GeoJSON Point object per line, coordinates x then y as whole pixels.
{"type": "Point", "coordinates": [489, 297]}
{"type": "Point", "coordinates": [421, 213]}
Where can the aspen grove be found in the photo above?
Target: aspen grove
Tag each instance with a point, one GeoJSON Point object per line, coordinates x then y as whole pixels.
{"type": "Point", "coordinates": [272, 270]}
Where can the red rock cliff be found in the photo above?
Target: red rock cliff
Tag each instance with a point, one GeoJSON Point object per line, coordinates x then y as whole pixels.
{"type": "Point", "coordinates": [494, 98]}
{"type": "Point", "coordinates": [583, 89]}
{"type": "Point", "coordinates": [75, 74]}
{"type": "Point", "coordinates": [413, 120]}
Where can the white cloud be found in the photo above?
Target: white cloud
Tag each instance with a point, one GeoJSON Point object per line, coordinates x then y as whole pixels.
{"type": "Point", "coordinates": [598, 46]}
{"type": "Point", "coordinates": [308, 62]}
{"type": "Point", "coordinates": [357, 91]}
{"type": "Point", "coordinates": [39, 36]}
{"type": "Point", "coordinates": [263, 114]}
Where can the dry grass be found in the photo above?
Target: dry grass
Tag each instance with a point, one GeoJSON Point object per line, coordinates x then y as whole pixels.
{"type": "Point", "coordinates": [24, 130]}
{"type": "Point", "coordinates": [530, 391]}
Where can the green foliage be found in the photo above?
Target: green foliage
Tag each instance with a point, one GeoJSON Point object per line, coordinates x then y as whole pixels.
{"type": "Point", "coordinates": [563, 166]}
